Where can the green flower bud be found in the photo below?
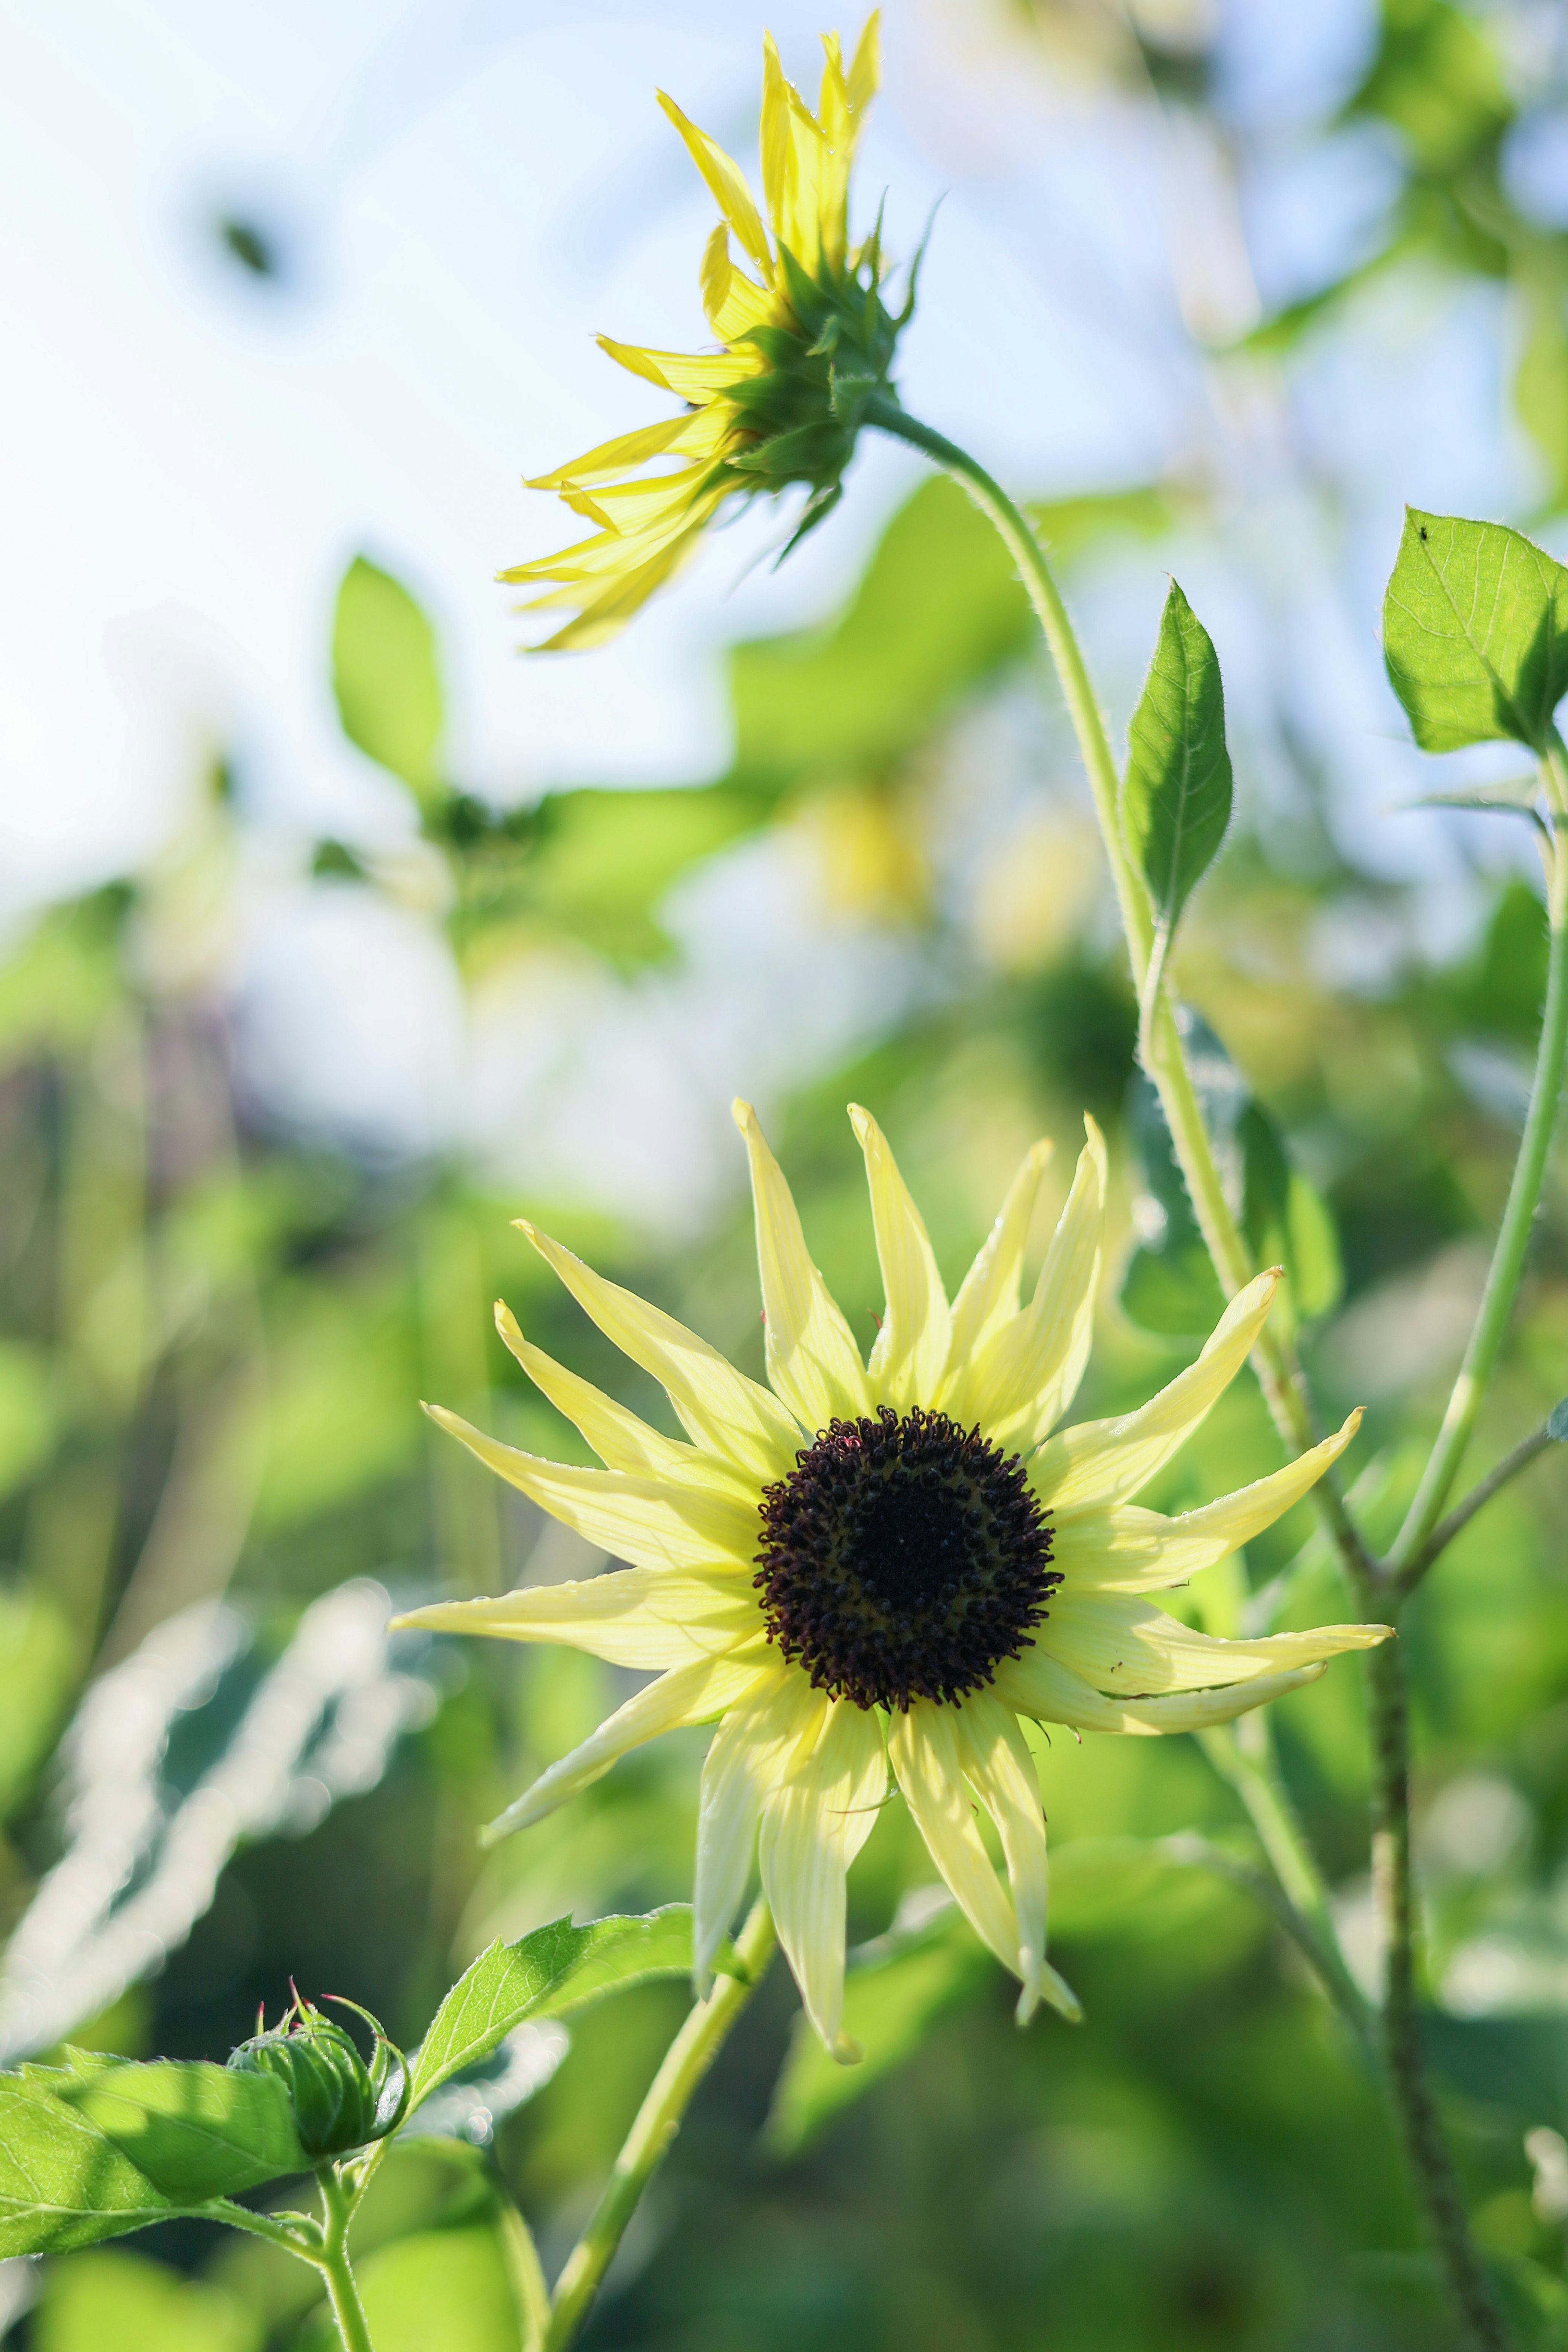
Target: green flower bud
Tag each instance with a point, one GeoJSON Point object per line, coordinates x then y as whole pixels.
{"type": "Point", "coordinates": [340, 2102]}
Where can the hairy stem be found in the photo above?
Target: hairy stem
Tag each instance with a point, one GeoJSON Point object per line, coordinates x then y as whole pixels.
{"type": "Point", "coordinates": [337, 2207]}
{"type": "Point", "coordinates": [1426, 2147]}
{"type": "Point", "coordinates": [1514, 1234]}
{"type": "Point", "coordinates": [659, 2119]}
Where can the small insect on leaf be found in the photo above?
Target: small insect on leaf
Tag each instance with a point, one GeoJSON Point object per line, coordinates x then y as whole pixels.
{"type": "Point", "coordinates": [1475, 634]}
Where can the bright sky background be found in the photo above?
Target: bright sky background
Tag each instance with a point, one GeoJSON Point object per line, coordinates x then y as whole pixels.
{"type": "Point", "coordinates": [461, 195]}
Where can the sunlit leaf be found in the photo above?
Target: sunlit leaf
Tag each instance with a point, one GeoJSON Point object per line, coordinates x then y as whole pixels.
{"type": "Point", "coordinates": [120, 2302]}
{"type": "Point", "coordinates": [1176, 796]}
{"type": "Point", "coordinates": [386, 678]}
{"type": "Point", "coordinates": [554, 1972]}
{"type": "Point", "coordinates": [1475, 632]}
{"type": "Point", "coordinates": [40, 1657]}
{"type": "Point", "coordinates": [194, 2130]}
{"type": "Point", "coordinates": [1436, 78]}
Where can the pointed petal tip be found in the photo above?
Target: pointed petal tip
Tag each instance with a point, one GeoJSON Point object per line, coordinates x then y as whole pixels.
{"type": "Point", "coordinates": [862, 1122]}
{"type": "Point", "coordinates": [744, 1116]}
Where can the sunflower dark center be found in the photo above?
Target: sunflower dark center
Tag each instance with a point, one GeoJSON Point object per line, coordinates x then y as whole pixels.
{"type": "Point", "coordinates": [903, 1557]}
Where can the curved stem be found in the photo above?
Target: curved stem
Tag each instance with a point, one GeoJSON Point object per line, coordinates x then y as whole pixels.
{"type": "Point", "coordinates": [1426, 2148]}
{"type": "Point", "coordinates": [1513, 1234]}
{"type": "Point", "coordinates": [1460, 1518]}
{"type": "Point", "coordinates": [659, 2119]}
{"type": "Point", "coordinates": [348, 2311]}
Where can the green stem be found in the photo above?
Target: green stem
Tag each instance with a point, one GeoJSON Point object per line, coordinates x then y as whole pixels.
{"type": "Point", "coordinates": [1278, 1372]}
{"type": "Point", "coordinates": [1460, 1518]}
{"type": "Point", "coordinates": [337, 2206]}
{"type": "Point", "coordinates": [659, 2119]}
{"type": "Point", "coordinates": [296, 2234]}
{"type": "Point", "coordinates": [1513, 1234]}
{"type": "Point", "coordinates": [1426, 2148]}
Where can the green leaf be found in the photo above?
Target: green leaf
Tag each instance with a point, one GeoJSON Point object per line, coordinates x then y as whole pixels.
{"type": "Point", "coordinates": [1176, 796]}
{"type": "Point", "coordinates": [896, 1992]}
{"type": "Point", "coordinates": [1475, 632]}
{"type": "Point", "coordinates": [99, 2146]}
{"type": "Point", "coordinates": [39, 1663]}
{"type": "Point", "coordinates": [1436, 77]}
{"type": "Point", "coordinates": [386, 678]}
{"type": "Point", "coordinates": [1557, 1423]}
{"type": "Point", "coordinates": [93, 2302]}
{"type": "Point", "coordinates": [556, 1972]}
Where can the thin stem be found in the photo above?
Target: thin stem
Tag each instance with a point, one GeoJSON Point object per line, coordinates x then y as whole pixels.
{"type": "Point", "coordinates": [1278, 1372]}
{"type": "Point", "coordinates": [1426, 2148]}
{"type": "Point", "coordinates": [659, 2119]}
{"type": "Point", "coordinates": [1251, 1768]}
{"type": "Point", "coordinates": [1202, 1854]}
{"type": "Point", "coordinates": [1443, 1534]}
{"type": "Point", "coordinates": [1513, 1234]}
{"type": "Point", "coordinates": [348, 2311]}
{"type": "Point", "coordinates": [287, 2232]}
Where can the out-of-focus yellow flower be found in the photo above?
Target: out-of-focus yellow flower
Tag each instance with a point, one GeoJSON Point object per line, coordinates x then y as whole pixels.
{"type": "Point", "coordinates": [805, 343]}
{"type": "Point", "coordinates": [881, 1565]}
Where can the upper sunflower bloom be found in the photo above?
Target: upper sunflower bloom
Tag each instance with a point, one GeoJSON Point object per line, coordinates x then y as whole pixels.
{"type": "Point", "coordinates": [805, 343]}
{"type": "Point", "coordinates": [887, 1563]}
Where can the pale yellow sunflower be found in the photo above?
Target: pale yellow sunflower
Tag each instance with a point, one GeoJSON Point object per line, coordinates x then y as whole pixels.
{"type": "Point", "coordinates": [804, 343]}
{"type": "Point", "coordinates": [886, 1564]}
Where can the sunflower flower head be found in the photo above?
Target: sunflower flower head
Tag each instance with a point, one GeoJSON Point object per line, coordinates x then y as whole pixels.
{"type": "Point", "coordinates": [887, 1565]}
{"type": "Point", "coordinates": [805, 340]}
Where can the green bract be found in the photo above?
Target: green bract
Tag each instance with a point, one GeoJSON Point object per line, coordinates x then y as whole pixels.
{"type": "Point", "coordinates": [339, 2101]}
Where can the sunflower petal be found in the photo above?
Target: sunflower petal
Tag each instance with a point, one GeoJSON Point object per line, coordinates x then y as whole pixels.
{"type": "Point", "coordinates": [686, 1695]}
{"type": "Point", "coordinates": [812, 1362]}
{"type": "Point", "coordinates": [757, 1745]}
{"type": "Point", "coordinates": [923, 1749]}
{"type": "Point", "coordinates": [912, 1347]}
{"type": "Point", "coordinates": [813, 1825]}
{"type": "Point", "coordinates": [620, 1440]}
{"type": "Point", "coordinates": [1120, 1643]}
{"type": "Point", "coordinates": [1127, 1549]}
{"type": "Point", "coordinates": [647, 1618]}
{"type": "Point", "coordinates": [726, 182]}
{"type": "Point", "coordinates": [652, 1522]}
{"type": "Point", "coordinates": [693, 375]}
{"type": "Point", "coordinates": [866, 65]}
{"type": "Point", "coordinates": [1001, 1770]}
{"type": "Point", "coordinates": [732, 304]}
{"type": "Point", "coordinates": [1101, 1461]}
{"type": "Point", "coordinates": [725, 1414]}
{"type": "Point", "coordinates": [1037, 1685]}
{"type": "Point", "coordinates": [988, 1296]}
{"type": "Point", "coordinates": [1029, 1374]}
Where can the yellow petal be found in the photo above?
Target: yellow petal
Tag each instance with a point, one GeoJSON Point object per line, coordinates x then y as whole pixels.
{"type": "Point", "coordinates": [688, 1695]}
{"type": "Point", "coordinates": [1001, 1770]}
{"type": "Point", "coordinates": [620, 1440]}
{"type": "Point", "coordinates": [813, 1825]}
{"type": "Point", "coordinates": [922, 1748]}
{"type": "Point", "coordinates": [793, 153]}
{"type": "Point", "coordinates": [865, 69]}
{"type": "Point", "coordinates": [725, 1414]}
{"type": "Point", "coordinates": [988, 1296]}
{"type": "Point", "coordinates": [1119, 1643]}
{"type": "Point", "coordinates": [812, 1362]}
{"type": "Point", "coordinates": [651, 1521]}
{"type": "Point", "coordinates": [1101, 1461]}
{"type": "Point", "coordinates": [1027, 1375]}
{"type": "Point", "coordinates": [612, 457]}
{"type": "Point", "coordinates": [758, 1744]}
{"type": "Point", "coordinates": [647, 1618]}
{"type": "Point", "coordinates": [1037, 1686]}
{"type": "Point", "coordinates": [733, 305]}
{"type": "Point", "coordinates": [910, 1351]}
{"type": "Point", "coordinates": [689, 373]}
{"type": "Point", "coordinates": [728, 183]}
{"type": "Point", "coordinates": [1127, 1549]}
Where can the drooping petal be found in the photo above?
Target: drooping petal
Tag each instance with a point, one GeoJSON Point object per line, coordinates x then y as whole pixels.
{"type": "Point", "coordinates": [922, 1748]}
{"type": "Point", "coordinates": [692, 375]}
{"type": "Point", "coordinates": [1129, 1549]}
{"type": "Point", "coordinates": [728, 183]}
{"type": "Point", "coordinates": [724, 1412]}
{"type": "Point", "coordinates": [732, 303]}
{"type": "Point", "coordinates": [612, 457]}
{"type": "Point", "coordinates": [910, 1351]}
{"type": "Point", "coordinates": [1037, 1685]}
{"type": "Point", "coordinates": [620, 1440]}
{"type": "Point", "coordinates": [813, 1825]}
{"type": "Point", "coordinates": [1001, 1770]}
{"type": "Point", "coordinates": [686, 1695]}
{"type": "Point", "coordinates": [650, 1521]}
{"type": "Point", "coordinates": [1025, 1379]}
{"type": "Point", "coordinates": [1101, 1461]}
{"type": "Point", "coordinates": [1120, 1643]}
{"type": "Point", "coordinates": [758, 1744]}
{"type": "Point", "coordinates": [647, 1618]}
{"type": "Point", "coordinates": [988, 1296]}
{"type": "Point", "coordinates": [812, 1362]}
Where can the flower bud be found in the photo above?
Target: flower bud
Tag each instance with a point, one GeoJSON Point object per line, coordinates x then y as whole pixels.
{"type": "Point", "coordinates": [340, 2102]}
